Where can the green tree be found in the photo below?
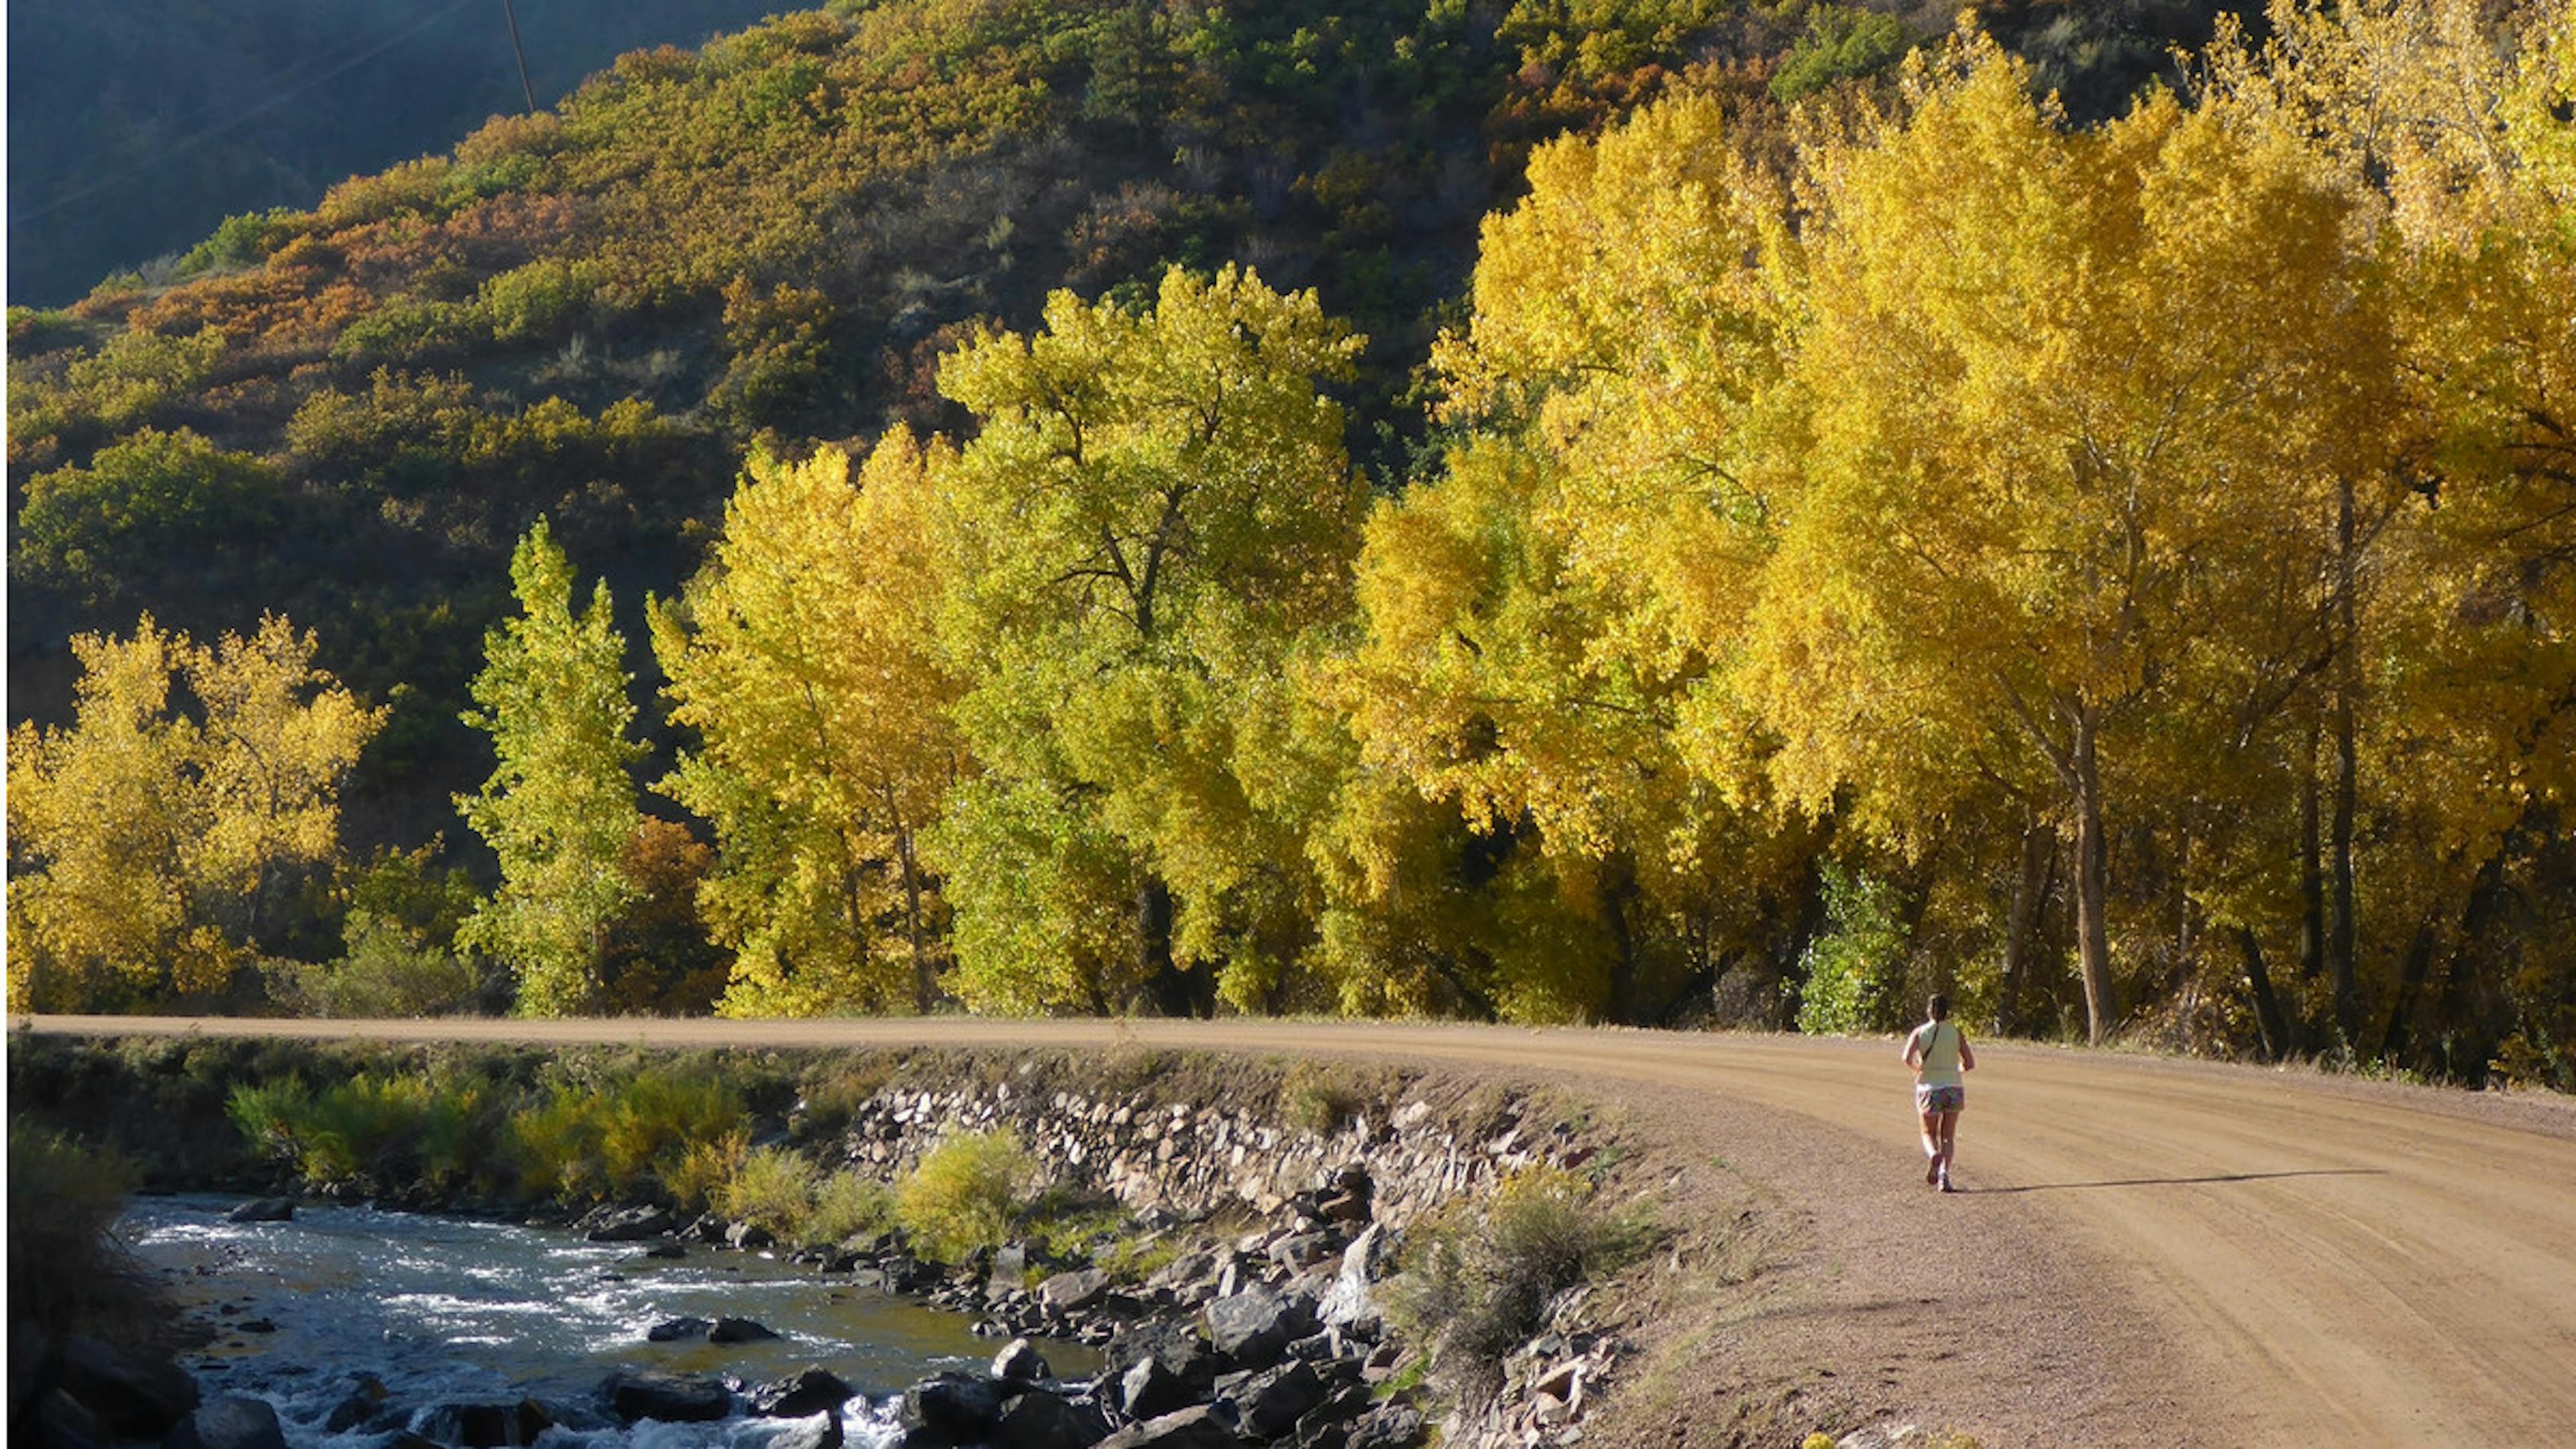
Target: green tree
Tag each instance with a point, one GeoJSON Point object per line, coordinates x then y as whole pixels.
{"type": "Point", "coordinates": [559, 810]}
{"type": "Point", "coordinates": [1158, 502]}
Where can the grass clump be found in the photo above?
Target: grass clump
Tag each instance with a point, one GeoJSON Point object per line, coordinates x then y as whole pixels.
{"type": "Point", "coordinates": [1320, 1103]}
{"type": "Point", "coordinates": [1478, 1280]}
{"type": "Point", "coordinates": [67, 1271]}
{"type": "Point", "coordinates": [380, 1129]}
{"type": "Point", "coordinates": [967, 1193]}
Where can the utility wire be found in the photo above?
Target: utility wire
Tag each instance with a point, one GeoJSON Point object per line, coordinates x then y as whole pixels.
{"type": "Point", "coordinates": [199, 137]}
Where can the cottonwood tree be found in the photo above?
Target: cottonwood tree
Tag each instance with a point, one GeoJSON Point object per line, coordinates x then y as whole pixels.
{"type": "Point", "coordinates": [1156, 504]}
{"type": "Point", "coordinates": [802, 654]}
{"type": "Point", "coordinates": [2057, 428]}
{"type": "Point", "coordinates": [559, 809]}
{"type": "Point", "coordinates": [158, 839]}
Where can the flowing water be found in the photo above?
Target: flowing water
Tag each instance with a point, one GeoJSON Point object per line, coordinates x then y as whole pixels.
{"type": "Point", "coordinates": [446, 1310]}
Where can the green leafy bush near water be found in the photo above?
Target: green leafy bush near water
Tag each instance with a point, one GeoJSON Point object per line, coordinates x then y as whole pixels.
{"type": "Point", "coordinates": [967, 1193]}
{"type": "Point", "coordinates": [622, 1134]}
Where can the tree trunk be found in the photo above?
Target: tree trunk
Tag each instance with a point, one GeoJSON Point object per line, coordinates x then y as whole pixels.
{"type": "Point", "coordinates": [1162, 979]}
{"type": "Point", "coordinates": [2267, 1007]}
{"type": "Point", "coordinates": [925, 989]}
{"type": "Point", "coordinates": [2312, 871]}
{"type": "Point", "coordinates": [2092, 932]}
{"type": "Point", "coordinates": [2038, 867]}
{"type": "Point", "coordinates": [2340, 929]}
{"type": "Point", "coordinates": [2410, 984]}
{"type": "Point", "coordinates": [1621, 898]}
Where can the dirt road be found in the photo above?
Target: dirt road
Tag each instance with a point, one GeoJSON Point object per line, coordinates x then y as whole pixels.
{"type": "Point", "coordinates": [2255, 1257]}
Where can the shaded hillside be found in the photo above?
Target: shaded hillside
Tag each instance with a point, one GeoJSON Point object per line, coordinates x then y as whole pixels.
{"type": "Point", "coordinates": [134, 128]}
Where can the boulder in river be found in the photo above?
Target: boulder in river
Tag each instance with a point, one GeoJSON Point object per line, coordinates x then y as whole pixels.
{"type": "Point", "coordinates": [739, 1330]}
{"type": "Point", "coordinates": [1020, 1360]}
{"type": "Point", "coordinates": [630, 1225]}
{"type": "Point", "coordinates": [231, 1422]}
{"type": "Point", "coordinates": [134, 1398]}
{"type": "Point", "coordinates": [263, 1210]}
{"type": "Point", "coordinates": [678, 1330]}
{"type": "Point", "coordinates": [471, 1425]}
{"type": "Point", "coordinates": [965, 1407]}
{"type": "Point", "coordinates": [823, 1433]}
{"type": "Point", "coordinates": [671, 1398]}
{"type": "Point", "coordinates": [1041, 1419]}
{"type": "Point", "coordinates": [813, 1391]}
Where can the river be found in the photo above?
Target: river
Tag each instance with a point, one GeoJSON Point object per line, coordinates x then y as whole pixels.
{"type": "Point", "coordinates": [445, 1310]}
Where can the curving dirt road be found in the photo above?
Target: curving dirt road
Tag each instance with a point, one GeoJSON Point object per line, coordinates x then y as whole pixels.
{"type": "Point", "coordinates": [2147, 1251]}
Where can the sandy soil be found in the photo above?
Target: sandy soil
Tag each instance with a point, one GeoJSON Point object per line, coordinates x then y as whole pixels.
{"type": "Point", "coordinates": [2146, 1251]}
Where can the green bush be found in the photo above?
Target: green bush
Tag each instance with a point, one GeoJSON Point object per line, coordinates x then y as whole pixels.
{"type": "Point", "coordinates": [1855, 972]}
{"type": "Point", "coordinates": [1841, 43]}
{"type": "Point", "coordinates": [967, 1193]}
{"type": "Point", "coordinates": [623, 1136]}
{"type": "Point", "coordinates": [849, 1204]}
{"type": "Point", "coordinates": [772, 1189]}
{"type": "Point", "coordinates": [1477, 1281]}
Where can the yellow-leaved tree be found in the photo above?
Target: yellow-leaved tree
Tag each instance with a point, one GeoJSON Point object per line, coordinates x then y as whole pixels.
{"type": "Point", "coordinates": [1156, 506]}
{"type": "Point", "coordinates": [2072, 401]}
{"type": "Point", "coordinates": [802, 654]}
{"type": "Point", "coordinates": [155, 840]}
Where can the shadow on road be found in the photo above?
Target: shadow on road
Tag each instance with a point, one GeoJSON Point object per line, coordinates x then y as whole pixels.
{"type": "Point", "coordinates": [2187, 1181]}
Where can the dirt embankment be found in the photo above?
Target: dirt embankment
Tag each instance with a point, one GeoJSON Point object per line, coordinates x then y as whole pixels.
{"type": "Point", "coordinates": [2148, 1252]}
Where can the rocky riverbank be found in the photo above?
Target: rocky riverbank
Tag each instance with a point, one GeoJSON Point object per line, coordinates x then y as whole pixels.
{"type": "Point", "coordinates": [1238, 1271]}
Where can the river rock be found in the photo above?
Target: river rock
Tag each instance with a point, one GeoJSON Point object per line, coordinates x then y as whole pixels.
{"type": "Point", "coordinates": [1396, 1426]}
{"type": "Point", "coordinates": [1331, 1418]}
{"type": "Point", "coordinates": [1151, 1388]}
{"type": "Point", "coordinates": [815, 1390]}
{"type": "Point", "coordinates": [740, 1330]}
{"type": "Point", "coordinates": [1020, 1360]}
{"type": "Point", "coordinates": [1348, 1302]}
{"type": "Point", "coordinates": [1270, 1402]}
{"type": "Point", "coordinates": [631, 1225]}
{"type": "Point", "coordinates": [677, 1330]}
{"type": "Point", "coordinates": [1040, 1419]}
{"type": "Point", "coordinates": [823, 1433]}
{"type": "Point", "coordinates": [134, 1398]}
{"type": "Point", "coordinates": [1252, 1327]}
{"type": "Point", "coordinates": [1073, 1292]}
{"type": "Point", "coordinates": [671, 1398]}
{"type": "Point", "coordinates": [749, 1235]}
{"type": "Point", "coordinates": [62, 1422]}
{"type": "Point", "coordinates": [472, 1425]}
{"type": "Point", "coordinates": [231, 1422]}
{"type": "Point", "coordinates": [1199, 1427]}
{"type": "Point", "coordinates": [965, 1407]}
{"type": "Point", "coordinates": [263, 1210]}
{"type": "Point", "coordinates": [366, 1397]}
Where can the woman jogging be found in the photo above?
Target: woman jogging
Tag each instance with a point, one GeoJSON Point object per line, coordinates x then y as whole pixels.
{"type": "Point", "coordinates": [1938, 1052]}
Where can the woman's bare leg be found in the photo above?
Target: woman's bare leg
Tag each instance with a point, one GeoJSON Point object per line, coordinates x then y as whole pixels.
{"type": "Point", "coordinates": [1932, 1145]}
{"type": "Point", "coordinates": [1949, 1137]}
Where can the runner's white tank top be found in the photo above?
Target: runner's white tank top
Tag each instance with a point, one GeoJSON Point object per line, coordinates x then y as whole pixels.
{"type": "Point", "coordinates": [1940, 1050]}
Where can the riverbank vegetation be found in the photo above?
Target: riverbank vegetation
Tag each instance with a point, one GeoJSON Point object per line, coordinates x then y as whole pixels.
{"type": "Point", "coordinates": [1868, 510]}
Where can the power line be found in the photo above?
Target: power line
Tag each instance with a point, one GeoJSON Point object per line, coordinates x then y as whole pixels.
{"type": "Point", "coordinates": [199, 137]}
